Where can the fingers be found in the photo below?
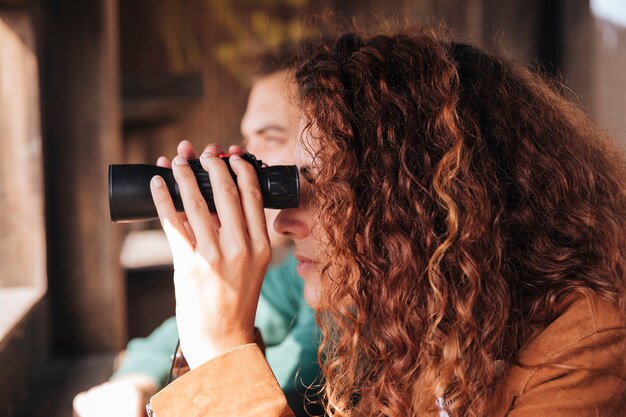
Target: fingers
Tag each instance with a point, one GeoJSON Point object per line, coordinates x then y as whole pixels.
{"type": "Point", "coordinates": [251, 200]}
{"type": "Point", "coordinates": [216, 149]}
{"type": "Point", "coordinates": [195, 206]}
{"type": "Point", "coordinates": [226, 197]}
{"type": "Point", "coordinates": [180, 243]}
{"type": "Point", "coordinates": [236, 150]}
{"type": "Point", "coordinates": [166, 163]}
{"type": "Point", "coordinates": [196, 219]}
{"type": "Point", "coordinates": [185, 149]}
{"type": "Point", "coordinates": [163, 162]}
{"type": "Point", "coordinates": [213, 148]}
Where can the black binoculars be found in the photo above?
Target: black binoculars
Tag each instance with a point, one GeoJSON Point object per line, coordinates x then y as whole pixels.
{"type": "Point", "coordinates": [130, 199]}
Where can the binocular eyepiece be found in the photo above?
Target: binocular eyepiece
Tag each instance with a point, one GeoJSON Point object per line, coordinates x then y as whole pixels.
{"type": "Point", "coordinates": [130, 199]}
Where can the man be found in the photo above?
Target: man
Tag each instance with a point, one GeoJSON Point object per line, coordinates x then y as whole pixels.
{"type": "Point", "coordinates": [287, 323]}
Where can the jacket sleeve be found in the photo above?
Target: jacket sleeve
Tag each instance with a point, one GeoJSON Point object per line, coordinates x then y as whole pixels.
{"type": "Point", "coordinates": [237, 383]}
{"type": "Point", "coordinates": [586, 380]}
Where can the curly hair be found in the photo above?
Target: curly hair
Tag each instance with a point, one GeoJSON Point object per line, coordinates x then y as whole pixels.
{"type": "Point", "coordinates": [462, 197]}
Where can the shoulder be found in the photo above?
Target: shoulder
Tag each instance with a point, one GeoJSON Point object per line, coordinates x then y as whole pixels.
{"type": "Point", "coordinates": [578, 363]}
{"type": "Point", "coordinates": [584, 315]}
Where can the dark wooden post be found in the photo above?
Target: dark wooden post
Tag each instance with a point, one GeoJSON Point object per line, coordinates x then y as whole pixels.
{"type": "Point", "coordinates": [78, 49]}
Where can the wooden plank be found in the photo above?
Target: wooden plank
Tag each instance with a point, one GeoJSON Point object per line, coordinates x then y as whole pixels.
{"type": "Point", "coordinates": [13, 4]}
{"type": "Point", "coordinates": [23, 351]}
{"type": "Point", "coordinates": [23, 323]}
{"type": "Point", "coordinates": [16, 303]}
{"type": "Point", "coordinates": [60, 379]}
{"type": "Point", "coordinates": [511, 27]}
{"type": "Point", "coordinates": [150, 100]}
{"type": "Point", "coordinates": [579, 49]}
{"type": "Point", "coordinates": [22, 241]}
{"type": "Point", "coordinates": [150, 298]}
{"type": "Point", "coordinates": [608, 83]}
{"type": "Point", "coordinates": [81, 125]}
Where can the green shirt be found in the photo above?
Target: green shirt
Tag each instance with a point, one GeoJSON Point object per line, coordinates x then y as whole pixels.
{"type": "Point", "coordinates": [286, 322]}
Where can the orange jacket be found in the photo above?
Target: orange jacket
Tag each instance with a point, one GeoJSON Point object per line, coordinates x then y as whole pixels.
{"type": "Point", "coordinates": [575, 367]}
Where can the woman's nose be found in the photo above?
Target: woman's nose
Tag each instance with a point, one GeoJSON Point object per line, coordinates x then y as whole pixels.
{"type": "Point", "coordinates": [291, 223]}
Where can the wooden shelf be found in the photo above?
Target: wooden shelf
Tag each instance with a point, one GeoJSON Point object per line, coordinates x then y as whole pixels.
{"type": "Point", "coordinates": [144, 249]}
{"type": "Point", "coordinates": [150, 100]}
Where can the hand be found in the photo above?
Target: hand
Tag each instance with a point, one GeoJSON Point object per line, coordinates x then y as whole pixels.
{"type": "Point", "coordinates": [124, 397]}
{"type": "Point", "coordinates": [219, 272]}
{"type": "Point", "coordinates": [185, 149]}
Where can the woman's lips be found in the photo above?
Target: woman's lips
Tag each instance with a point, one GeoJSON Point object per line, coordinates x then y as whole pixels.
{"type": "Point", "coordinates": [305, 265]}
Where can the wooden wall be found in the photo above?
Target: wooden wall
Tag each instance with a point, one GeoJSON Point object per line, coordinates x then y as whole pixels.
{"type": "Point", "coordinates": [607, 85]}
{"type": "Point", "coordinates": [78, 52]}
{"type": "Point", "coordinates": [125, 81]}
{"type": "Point", "coordinates": [207, 38]}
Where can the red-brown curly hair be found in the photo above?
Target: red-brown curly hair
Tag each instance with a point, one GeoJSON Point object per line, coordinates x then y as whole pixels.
{"type": "Point", "coordinates": [462, 198]}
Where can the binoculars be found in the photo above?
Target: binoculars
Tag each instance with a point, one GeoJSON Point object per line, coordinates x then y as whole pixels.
{"type": "Point", "coordinates": [130, 199]}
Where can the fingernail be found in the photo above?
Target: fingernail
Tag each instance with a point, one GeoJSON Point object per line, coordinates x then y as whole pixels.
{"type": "Point", "coordinates": [179, 160]}
{"type": "Point", "coordinates": [206, 155]}
{"type": "Point", "coordinates": [235, 157]}
{"type": "Point", "coordinates": [157, 181]}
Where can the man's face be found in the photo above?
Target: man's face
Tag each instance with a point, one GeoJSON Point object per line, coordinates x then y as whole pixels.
{"type": "Point", "coordinates": [269, 127]}
{"type": "Point", "coordinates": [302, 226]}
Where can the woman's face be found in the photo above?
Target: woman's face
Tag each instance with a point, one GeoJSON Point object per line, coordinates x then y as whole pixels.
{"type": "Point", "coordinates": [300, 224]}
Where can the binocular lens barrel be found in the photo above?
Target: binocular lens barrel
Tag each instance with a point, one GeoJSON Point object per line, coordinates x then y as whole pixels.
{"type": "Point", "coordinates": [130, 199]}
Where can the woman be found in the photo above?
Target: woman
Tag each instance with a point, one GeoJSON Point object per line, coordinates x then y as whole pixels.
{"type": "Point", "coordinates": [462, 231]}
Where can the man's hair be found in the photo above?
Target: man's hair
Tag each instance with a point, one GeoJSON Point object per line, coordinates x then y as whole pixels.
{"type": "Point", "coordinates": [272, 60]}
{"type": "Point", "coordinates": [287, 55]}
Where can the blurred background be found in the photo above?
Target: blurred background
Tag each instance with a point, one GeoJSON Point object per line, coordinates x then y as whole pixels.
{"type": "Point", "coordinates": [87, 83]}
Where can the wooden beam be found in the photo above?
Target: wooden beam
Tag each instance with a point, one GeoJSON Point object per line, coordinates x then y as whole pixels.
{"type": "Point", "coordinates": [81, 127]}
{"type": "Point", "coordinates": [151, 100]}
{"type": "Point", "coordinates": [23, 352]}
{"type": "Point", "coordinates": [22, 241]}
